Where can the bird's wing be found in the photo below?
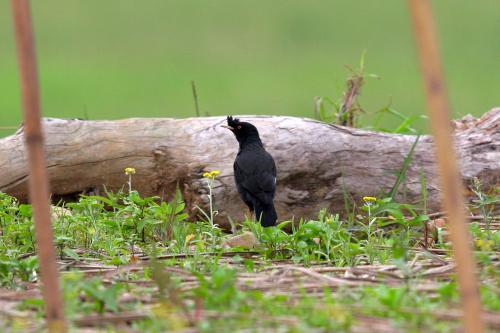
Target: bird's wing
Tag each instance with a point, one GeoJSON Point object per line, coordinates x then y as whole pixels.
{"type": "Point", "coordinates": [256, 173]}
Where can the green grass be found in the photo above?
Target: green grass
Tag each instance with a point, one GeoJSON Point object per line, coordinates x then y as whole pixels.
{"type": "Point", "coordinates": [188, 278]}
{"type": "Point", "coordinates": [118, 59]}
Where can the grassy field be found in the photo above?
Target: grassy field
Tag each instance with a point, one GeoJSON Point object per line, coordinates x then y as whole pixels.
{"type": "Point", "coordinates": [134, 264]}
{"type": "Point", "coordinates": [117, 59]}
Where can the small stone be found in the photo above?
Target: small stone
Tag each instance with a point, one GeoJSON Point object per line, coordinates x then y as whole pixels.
{"type": "Point", "coordinates": [57, 212]}
{"type": "Point", "coordinates": [440, 223]}
{"type": "Point", "coordinates": [246, 240]}
{"type": "Point", "coordinates": [127, 298]}
{"type": "Point", "coordinates": [438, 228]}
{"type": "Point", "coordinates": [349, 274]}
{"type": "Point", "coordinates": [433, 225]}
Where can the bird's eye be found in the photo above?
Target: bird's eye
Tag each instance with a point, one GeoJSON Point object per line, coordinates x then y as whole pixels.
{"type": "Point", "coordinates": [239, 127]}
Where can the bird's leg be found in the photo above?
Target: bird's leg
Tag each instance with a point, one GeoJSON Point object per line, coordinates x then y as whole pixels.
{"type": "Point", "coordinates": [250, 213]}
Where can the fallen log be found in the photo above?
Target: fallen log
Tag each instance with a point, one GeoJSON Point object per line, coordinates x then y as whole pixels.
{"type": "Point", "coordinates": [319, 165]}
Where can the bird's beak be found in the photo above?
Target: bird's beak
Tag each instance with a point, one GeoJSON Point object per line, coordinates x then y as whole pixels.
{"type": "Point", "coordinates": [228, 127]}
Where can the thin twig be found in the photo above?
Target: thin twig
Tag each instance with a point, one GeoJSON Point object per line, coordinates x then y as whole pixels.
{"type": "Point", "coordinates": [195, 96]}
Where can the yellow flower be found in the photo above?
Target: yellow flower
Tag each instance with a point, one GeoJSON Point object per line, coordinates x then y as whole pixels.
{"type": "Point", "coordinates": [211, 174]}
{"type": "Point", "coordinates": [188, 238]}
{"type": "Point", "coordinates": [20, 324]}
{"type": "Point", "coordinates": [338, 312]}
{"type": "Point", "coordinates": [484, 245]}
{"type": "Point", "coordinates": [129, 171]}
{"type": "Point", "coordinates": [369, 199]}
{"type": "Point", "coordinates": [169, 312]}
{"type": "Point", "coordinates": [162, 309]}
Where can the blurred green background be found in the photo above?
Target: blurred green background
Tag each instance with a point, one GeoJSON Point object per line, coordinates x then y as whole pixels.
{"type": "Point", "coordinates": [121, 58]}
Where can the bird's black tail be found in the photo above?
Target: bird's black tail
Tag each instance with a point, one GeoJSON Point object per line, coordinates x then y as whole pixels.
{"type": "Point", "coordinates": [266, 214]}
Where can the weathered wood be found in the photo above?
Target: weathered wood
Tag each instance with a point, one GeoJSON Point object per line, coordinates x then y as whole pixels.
{"type": "Point", "coordinates": [318, 164]}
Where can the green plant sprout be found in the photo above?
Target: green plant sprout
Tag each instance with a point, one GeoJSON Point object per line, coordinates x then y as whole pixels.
{"type": "Point", "coordinates": [129, 172]}
{"type": "Point", "coordinates": [210, 180]}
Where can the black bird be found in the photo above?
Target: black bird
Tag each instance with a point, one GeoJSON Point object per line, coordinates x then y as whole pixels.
{"type": "Point", "coordinates": [254, 172]}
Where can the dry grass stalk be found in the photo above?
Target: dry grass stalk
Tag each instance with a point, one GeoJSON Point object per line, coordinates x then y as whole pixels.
{"type": "Point", "coordinates": [451, 186]}
{"type": "Point", "coordinates": [38, 182]}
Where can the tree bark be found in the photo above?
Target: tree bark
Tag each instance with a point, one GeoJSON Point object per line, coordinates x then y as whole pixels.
{"type": "Point", "coordinates": [319, 165]}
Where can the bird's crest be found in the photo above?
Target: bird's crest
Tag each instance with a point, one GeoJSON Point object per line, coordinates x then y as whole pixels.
{"type": "Point", "coordinates": [233, 122]}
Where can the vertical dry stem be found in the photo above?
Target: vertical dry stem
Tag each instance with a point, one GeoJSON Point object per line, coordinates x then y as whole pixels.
{"type": "Point", "coordinates": [452, 198]}
{"type": "Point", "coordinates": [38, 183]}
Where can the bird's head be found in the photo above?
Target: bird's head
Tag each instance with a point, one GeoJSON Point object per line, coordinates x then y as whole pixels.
{"type": "Point", "coordinates": [244, 132]}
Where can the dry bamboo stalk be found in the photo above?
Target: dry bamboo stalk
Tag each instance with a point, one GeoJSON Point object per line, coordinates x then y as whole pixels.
{"type": "Point", "coordinates": [38, 183]}
{"type": "Point", "coordinates": [452, 198]}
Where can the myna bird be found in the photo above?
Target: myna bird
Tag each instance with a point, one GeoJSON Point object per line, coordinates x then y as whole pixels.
{"type": "Point", "coordinates": [254, 172]}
